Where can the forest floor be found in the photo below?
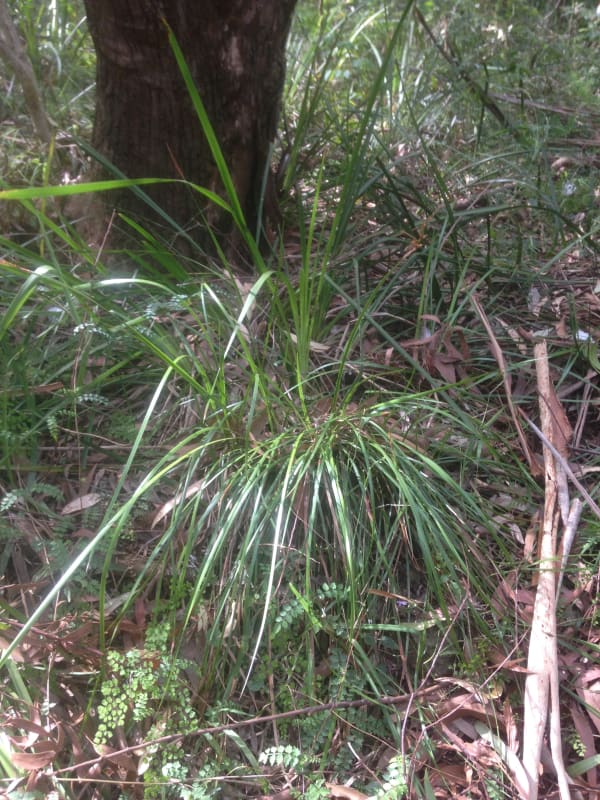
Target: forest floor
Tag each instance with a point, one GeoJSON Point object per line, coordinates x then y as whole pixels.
{"type": "Point", "coordinates": [329, 528]}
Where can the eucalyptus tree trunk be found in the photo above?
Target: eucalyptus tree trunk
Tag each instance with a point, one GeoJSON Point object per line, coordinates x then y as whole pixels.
{"type": "Point", "coordinates": [145, 124]}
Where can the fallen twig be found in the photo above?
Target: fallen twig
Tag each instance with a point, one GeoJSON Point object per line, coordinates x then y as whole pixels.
{"type": "Point", "coordinates": [564, 464]}
{"type": "Point", "coordinates": [244, 723]}
{"type": "Point", "coordinates": [542, 683]}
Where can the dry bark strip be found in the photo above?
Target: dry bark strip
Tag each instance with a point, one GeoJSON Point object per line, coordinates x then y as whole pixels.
{"type": "Point", "coordinates": [541, 685]}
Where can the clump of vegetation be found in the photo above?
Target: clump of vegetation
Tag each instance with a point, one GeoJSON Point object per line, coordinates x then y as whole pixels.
{"type": "Point", "coordinates": [310, 493]}
{"type": "Point", "coordinates": [144, 697]}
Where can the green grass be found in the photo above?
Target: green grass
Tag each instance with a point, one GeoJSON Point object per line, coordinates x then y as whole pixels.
{"type": "Point", "coordinates": [303, 486]}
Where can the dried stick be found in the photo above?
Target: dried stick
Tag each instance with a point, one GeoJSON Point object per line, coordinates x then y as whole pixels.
{"type": "Point", "coordinates": [542, 685]}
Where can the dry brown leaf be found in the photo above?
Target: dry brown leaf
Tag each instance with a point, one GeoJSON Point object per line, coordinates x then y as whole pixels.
{"type": "Point", "coordinates": [345, 792]}
{"type": "Point", "coordinates": [111, 754]}
{"type": "Point", "coordinates": [512, 734]}
{"type": "Point", "coordinates": [588, 688]}
{"type": "Point", "coordinates": [563, 330]}
{"type": "Point", "coordinates": [444, 365]}
{"type": "Point", "coordinates": [315, 347]}
{"type": "Point", "coordinates": [33, 728]}
{"type": "Point", "coordinates": [286, 794]}
{"type": "Point", "coordinates": [81, 503]}
{"type": "Point", "coordinates": [453, 774]}
{"type": "Point", "coordinates": [464, 705]}
{"type": "Point", "coordinates": [33, 760]}
{"type": "Point", "coordinates": [586, 734]}
{"type": "Point", "coordinates": [478, 750]}
{"type": "Point", "coordinates": [167, 507]}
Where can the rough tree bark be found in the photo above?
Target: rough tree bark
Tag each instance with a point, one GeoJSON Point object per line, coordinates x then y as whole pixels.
{"type": "Point", "coordinates": [145, 124]}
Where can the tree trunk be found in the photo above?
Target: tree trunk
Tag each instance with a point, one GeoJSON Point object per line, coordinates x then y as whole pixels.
{"type": "Point", "coordinates": [145, 123]}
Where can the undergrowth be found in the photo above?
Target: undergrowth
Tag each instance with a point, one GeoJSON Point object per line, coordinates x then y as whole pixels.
{"type": "Point", "coordinates": [301, 493]}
